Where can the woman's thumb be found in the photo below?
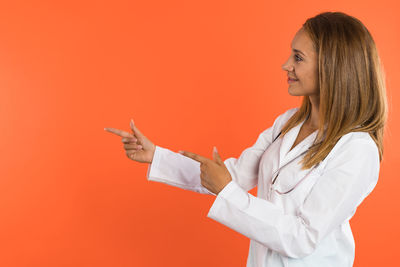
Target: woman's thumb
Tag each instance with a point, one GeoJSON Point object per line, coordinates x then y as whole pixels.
{"type": "Point", "coordinates": [135, 130]}
{"type": "Point", "coordinates": [217, 157]}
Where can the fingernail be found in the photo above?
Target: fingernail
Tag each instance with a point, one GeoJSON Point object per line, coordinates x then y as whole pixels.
{"type": "Point", "coordinates": [215, 149]}
{"type": "Point", "coordinates": [180, 152]}
{"type": "Point", "coordinates": [132, 123]}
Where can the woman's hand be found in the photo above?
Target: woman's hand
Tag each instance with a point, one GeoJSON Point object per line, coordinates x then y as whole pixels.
{"type": "Point", "coordinates": [214, 174]}
{"type": "Point", "coordinates": [138, 147]}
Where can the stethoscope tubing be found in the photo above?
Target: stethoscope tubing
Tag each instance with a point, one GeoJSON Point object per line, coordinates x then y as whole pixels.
{"type": "Point", "coordinates": [278, 170]}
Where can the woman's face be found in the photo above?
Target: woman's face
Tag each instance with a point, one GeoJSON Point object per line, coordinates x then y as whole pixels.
{"type": "Point", "coordinates": [302, 65]}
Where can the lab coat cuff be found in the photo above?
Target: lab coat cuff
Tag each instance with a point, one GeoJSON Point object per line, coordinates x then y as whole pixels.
{"type": "Point", "coordinates": [152, 170]}
{"type": "Point", "coordinates": [231, 193]}
{"type": "Point", "coordinates": [228, 189]}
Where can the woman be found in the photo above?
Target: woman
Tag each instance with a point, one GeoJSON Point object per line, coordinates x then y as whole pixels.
{"type": "Point", "coordinates": [312, 167]}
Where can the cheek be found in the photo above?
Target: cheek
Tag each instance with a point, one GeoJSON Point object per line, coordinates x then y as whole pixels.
{"type": "Point", "coordinates": [312, 83]}
{"type": "Point", "coordinates": [310, 76]}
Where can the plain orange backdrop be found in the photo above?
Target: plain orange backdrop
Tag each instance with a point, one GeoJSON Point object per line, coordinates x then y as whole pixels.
{"type": "Point", "coordinates": [192, 75]}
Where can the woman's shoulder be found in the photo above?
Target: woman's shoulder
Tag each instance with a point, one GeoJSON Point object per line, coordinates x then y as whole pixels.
{"type": "Point", "coordinates": [279, 121]}
{"type": "Point", "coordinates": [285, 116]}
{"type": "Point", "coordinates": [289, 112]}
{"type": "Point", "coordinates": [354, 144]}
{"type": "Point", "coordinates": [350, 137]}
{"type": "Point", "coordinates": [362, 138]}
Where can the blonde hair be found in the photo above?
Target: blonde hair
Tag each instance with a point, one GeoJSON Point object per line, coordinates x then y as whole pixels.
{"type": "Point", "coordinates": [351, 83]}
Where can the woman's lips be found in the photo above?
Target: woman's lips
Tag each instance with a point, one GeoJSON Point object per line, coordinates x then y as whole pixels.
{"type": "Point", "coordinates": [292, 80]}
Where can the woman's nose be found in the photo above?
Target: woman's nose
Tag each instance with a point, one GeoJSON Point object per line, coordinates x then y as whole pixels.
{"type": "Point", "coordinates": [287, 67]}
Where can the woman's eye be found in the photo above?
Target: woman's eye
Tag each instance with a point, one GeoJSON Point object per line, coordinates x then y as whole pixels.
{"type": "Point", "coordinates": [298, 58]}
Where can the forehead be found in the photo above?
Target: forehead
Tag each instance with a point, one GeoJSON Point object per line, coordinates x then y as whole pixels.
{"type": "Point", "coordinates": [302, 42]}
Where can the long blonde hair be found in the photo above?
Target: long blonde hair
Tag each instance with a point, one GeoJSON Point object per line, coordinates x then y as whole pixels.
{"type": "Point", "coordinates": [351, 82]}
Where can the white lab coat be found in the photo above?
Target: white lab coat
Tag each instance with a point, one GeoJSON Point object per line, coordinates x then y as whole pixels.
{"type": "Point", "coordinates": [308, 226]}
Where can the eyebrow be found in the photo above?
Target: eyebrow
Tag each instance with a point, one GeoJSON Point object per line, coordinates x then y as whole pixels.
{"type": "Point", "coordinates": [295, 50]}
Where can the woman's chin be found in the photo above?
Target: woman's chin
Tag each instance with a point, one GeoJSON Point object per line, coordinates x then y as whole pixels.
{"type": "Point", "coordinates": [294, 93]}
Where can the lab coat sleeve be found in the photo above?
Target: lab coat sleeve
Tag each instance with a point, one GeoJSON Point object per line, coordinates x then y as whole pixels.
{"type": "Point", "coordinates": [180, 171]}
{"type": "Point", "coordinates": [174, 169]}
{"type": "Point", "coordinates": [348, 177]}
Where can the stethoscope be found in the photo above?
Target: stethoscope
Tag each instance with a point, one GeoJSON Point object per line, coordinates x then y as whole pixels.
{"type": "Point", "coordinates": [272, 184]}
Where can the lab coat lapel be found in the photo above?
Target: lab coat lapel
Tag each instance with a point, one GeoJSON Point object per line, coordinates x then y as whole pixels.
{"type": "Point", "coordinates": [287, 142]}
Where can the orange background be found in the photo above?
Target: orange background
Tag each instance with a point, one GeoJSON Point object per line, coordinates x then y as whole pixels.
{"type": "Point", "coordinates": [192, 74]}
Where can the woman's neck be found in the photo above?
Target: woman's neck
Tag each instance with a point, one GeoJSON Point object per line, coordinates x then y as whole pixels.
{"type": "Point", "coordinates": [313, 121]}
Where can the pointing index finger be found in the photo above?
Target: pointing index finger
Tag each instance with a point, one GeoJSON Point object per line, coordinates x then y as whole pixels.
{"type": "Point", "coordinates": [118, 132]}
{"type": "Point", "coordinates": [194, 156]}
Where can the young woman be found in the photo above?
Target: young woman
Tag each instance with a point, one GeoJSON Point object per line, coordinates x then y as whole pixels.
{"type": "Point", "coordinates": [315, 164]}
